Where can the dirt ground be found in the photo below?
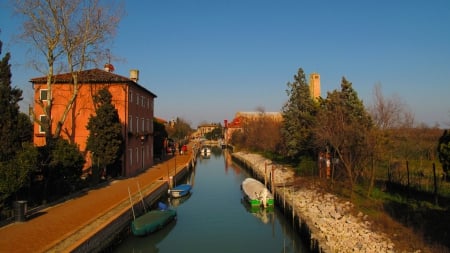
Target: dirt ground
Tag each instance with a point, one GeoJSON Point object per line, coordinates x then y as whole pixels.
{"type": "Point", "coordinates": [46, 228]}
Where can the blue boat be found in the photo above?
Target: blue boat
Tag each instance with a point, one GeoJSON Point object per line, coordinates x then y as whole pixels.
{"type": "Point", "coordinates": [180, 190]}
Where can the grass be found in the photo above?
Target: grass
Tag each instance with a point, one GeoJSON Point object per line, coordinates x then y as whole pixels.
{"type": "Point", "coordinates": [411, 223]}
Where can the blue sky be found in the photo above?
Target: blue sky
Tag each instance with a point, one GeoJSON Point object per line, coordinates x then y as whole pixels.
{"type": "Point", "coordinates": [208, 59]}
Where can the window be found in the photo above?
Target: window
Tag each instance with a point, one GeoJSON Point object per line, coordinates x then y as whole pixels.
{"type": "Point", "coordinates": [43, 120]}
{"type": "Point", "coordinates": [148, 103]}
{"type": "Point", "coordinates": [131, 97]}
{"type": "Point", "coordinates": [148, 125]}
{"type": "Point", "coordinates": [137, 124]}
{"type": "Point", "coordinates": [137, 155]}
{"type": "Point", "coordinates": [43, 95]}
{"type": "Point", "coordinates": [130, 152]}
{"type": "Point", "coordinates": [130, 123]}
{"type": "Point", "coordinates": [142, 101]}
{"type": "Point", "coordinates": [137, 99]}
{"type": "Point", "coordinates": [143, 124]}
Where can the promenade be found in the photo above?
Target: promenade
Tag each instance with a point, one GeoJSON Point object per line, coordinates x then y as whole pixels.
{"type": "Point", "coordinates": [77, 218]}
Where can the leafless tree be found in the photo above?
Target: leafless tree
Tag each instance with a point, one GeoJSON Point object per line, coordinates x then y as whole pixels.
{"type": "Point", "coordinates": [389, 112]}
{"type": "Point", "coordinates": [70, 33]}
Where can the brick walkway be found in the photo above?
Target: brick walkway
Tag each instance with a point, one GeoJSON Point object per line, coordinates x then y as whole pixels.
{"type": "Point", "coordinates": [52, 225]}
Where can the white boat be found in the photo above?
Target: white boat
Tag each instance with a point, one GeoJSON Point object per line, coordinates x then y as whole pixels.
{"type": "Point", "coordinates": [256, 193]}
{"type": "Point", "coordinates": [205, 151]}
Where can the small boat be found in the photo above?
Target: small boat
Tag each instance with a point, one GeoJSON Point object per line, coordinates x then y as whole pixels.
{"type": "Point", "coordinates": [153, 220]}
{"type": "Point", "coordinates": [180, 190]}
{"type": "Point", "coordinates": [205, 151]}
{"type": "Point", "coordinates": [256, 193]}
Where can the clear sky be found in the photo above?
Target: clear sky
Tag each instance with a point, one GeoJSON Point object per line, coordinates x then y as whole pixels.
{"type": "Point", "coordinates": [208, 59]}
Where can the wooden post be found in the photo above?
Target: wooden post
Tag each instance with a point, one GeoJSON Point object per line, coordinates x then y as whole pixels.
{"type": "Point", "coordinates": [265, 174]}
{"type": "Point", "coordinates": [407, 172]}
{"type": "Point", "coordinates": [435, 185]}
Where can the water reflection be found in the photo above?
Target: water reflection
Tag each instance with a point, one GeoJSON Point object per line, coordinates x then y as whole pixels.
{"type": "Point", "coordinates": [265, 215]}
{"type": "Point", "coordinates": [176, 202]}
{"type": "Point", "coordinates": [214, 217]}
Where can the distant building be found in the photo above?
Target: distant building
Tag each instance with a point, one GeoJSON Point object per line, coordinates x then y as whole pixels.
{"type": "Point", "coordinates": [134, 103]}
{"type": "Point", "coordinates": [314, 85]}
{"type": "Point", "coordinates": [241, 118]}
{"type": "Point", "coordinates": [204, 129]}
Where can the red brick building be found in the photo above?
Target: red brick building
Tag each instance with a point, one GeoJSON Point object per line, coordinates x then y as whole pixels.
{"type": "Point", "coordinates": [134, 103]}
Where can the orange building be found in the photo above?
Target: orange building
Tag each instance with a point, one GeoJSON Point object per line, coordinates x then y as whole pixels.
{"type": "Point", "coordinates": [134, 103]}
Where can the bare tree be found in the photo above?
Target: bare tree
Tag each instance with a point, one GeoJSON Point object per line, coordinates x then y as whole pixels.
{"type": "Point", "coordinates": [389, 112]}
{"type": "Point", "coordinates": [68, 32]}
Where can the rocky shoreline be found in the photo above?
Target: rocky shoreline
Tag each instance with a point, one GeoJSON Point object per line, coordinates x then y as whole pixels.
{"type": "Point", "coordinates": [331, 221]}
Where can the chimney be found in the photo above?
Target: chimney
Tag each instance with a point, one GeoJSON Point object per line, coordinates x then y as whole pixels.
{"type": "Point", "coordinates": [134, 75]}
{"type": "Point", "coordinates": [109, 67]}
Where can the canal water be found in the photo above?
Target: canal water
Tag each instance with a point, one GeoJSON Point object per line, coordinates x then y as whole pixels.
{"type": "Point", "coordinates": [214, 217]}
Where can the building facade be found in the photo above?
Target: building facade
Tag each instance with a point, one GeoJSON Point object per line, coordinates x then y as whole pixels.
{"type": "Point", "coordinates": [134, 104]}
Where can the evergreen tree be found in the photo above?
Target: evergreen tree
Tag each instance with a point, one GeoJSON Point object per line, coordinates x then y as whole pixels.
{"type": "Point", "coordinates": [105, 139]}
{"type": "Point", "coordinates": [444, 152]}
{"type": "Point", "coordinates": [344, 129]}
{"type": "Point", "coordinates": [299, 118]}
{"type": "Point", "coordinates": [9, 112]}
{"type": "Point", "coordinates": [159, 135]}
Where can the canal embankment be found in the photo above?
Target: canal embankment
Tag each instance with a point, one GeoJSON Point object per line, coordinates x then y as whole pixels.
{"type": "Point", "coordinates": [325, 222]}
{"type": "Point", "coordinates": [114, 224]}
{"type": "Point", "coordinates": [92, 219]}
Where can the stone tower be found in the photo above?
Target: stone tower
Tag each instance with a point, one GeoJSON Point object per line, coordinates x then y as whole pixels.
{"type": "Point", "coordinates": [314, 85]}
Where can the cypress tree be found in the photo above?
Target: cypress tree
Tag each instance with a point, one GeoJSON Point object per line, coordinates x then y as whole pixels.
{"type": "Point", "coordinates": [9, 112]}
{"type": "Point", "coordinates": [105, 139]}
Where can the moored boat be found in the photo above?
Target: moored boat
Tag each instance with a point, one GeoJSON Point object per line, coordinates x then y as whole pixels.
{"type": "Point", "coordinates": [180, 190]}
{"type": "Point", "coordinates": [152, 221]}
{"type": "Point", "coordinates": [256, 193]}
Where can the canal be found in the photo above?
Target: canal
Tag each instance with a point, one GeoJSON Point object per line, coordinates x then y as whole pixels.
{"type": "Point", "coordinates": [214, 218]}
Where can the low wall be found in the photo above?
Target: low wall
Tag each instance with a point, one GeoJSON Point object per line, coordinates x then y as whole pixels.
{"type": "Point", "coordinates": [115, 223]}
{"type": "Point", "coordinates": [325, 222]}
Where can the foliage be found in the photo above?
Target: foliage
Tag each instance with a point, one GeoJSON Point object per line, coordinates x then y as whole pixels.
{"type": "Point", "coordinates": [260, 133]}
{"type": "Point", "coordinates": [444, 152]}
{"type": "Point", "coordinates": [299, 118]}
{"type": "Point", "coordinates": [215, 134]}
{"type": "Point", "coordinates": [180, 130]}
{"type": "Point", "coordinates": [64, 168]}
{"type": "Point", "coordinates": [25, 128]}
{"type": "Point", "coordinates": [160, 134]}
{"type": "Point", "coordinates": [69, 34]}
{"type": "Point", "coordinates": [10, 141]}
{"type": "Point", "coordinates": [105, 139]}
{"type": "Point", "coordinates": [15, 173]}
{"type": "Point", "coordinates": [344, 129]}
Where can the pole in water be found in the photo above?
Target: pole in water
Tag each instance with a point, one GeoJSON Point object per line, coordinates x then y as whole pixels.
{"type": "Point", "coordinates": [142, 198]}
{"type": "Point", "coordinates": [131, 202]}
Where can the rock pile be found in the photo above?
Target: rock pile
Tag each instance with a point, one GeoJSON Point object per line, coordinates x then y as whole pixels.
{"type": "Point", "coordinates": [330, 219]}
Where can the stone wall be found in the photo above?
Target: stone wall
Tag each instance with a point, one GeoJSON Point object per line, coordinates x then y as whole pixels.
{"type": "Point", "coordinates": [327, 220]}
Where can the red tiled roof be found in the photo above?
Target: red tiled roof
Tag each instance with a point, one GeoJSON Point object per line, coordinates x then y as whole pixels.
{"type": "Point", "coordinates": [88, 76]}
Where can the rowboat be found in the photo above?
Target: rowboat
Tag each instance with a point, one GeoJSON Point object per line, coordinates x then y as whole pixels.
{"type": "Point", "coordinates": [256, 193]}
{"type": "Point", "coordinates": [152, 221]}
{"type": "Point", "coordinates": [180, 190]}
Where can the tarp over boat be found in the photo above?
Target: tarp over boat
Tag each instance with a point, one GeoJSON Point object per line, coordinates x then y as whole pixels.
{"type": "Point", "coordinates": [152, 221]}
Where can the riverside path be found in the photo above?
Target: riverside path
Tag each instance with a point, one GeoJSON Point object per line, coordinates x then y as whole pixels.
{"type": "Point", "coordinates": [77, 218]}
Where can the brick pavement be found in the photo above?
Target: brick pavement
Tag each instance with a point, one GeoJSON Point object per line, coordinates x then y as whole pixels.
{"type": "Point", "coordinates": [53, 224]}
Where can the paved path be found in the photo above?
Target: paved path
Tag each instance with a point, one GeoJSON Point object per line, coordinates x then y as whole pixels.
{"type": "Point", "coordinates": [52, 225]}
